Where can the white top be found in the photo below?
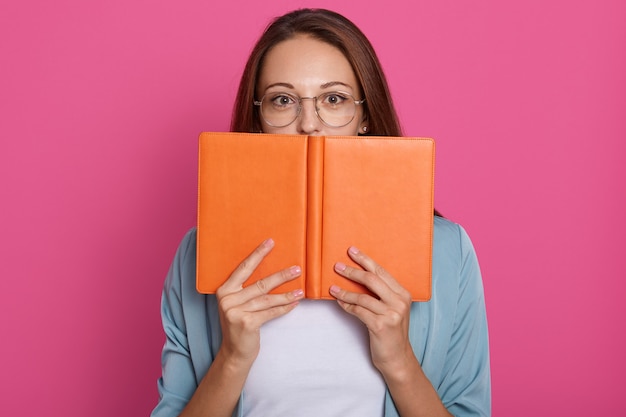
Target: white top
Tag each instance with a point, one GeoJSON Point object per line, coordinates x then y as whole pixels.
{"type": "Point", "coordinates": [314, 361]}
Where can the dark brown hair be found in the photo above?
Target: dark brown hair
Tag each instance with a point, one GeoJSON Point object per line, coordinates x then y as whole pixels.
{"type": "Point", "coordinates": [336, 30]}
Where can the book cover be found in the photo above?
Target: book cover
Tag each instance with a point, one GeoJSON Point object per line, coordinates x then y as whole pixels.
{"type": "Point", "coordinates": [315, 196]}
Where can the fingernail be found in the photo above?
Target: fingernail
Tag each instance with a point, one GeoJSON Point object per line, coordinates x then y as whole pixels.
{"type": "Point", "coordinates": [295, 271]}
{"type": "Point", "coordinates": [268, 243]}
{"type": "Point", "coordinates": [298, 293]}
{"type": "Point", "coordinates": [334, 289]}
{"type": "Point", "coordinates": [353, 250]}
{"type": "Point", "coordinates": [340, 267]}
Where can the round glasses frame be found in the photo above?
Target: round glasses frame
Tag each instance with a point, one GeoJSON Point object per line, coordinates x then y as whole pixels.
{"type": "Point", "coordinates": [299, 100]}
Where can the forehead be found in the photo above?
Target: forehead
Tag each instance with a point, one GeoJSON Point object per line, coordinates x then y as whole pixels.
{"type": "Point", "coordinates": [305, 62]}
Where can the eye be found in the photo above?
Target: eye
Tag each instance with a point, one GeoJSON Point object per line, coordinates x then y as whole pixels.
{"type": "Point", "coordinates": [334, 99]}
{"type": "Point", "coordinates": [282, 100]}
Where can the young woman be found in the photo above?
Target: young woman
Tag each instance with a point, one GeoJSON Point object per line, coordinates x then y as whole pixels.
{"type": "Point", "coordinates": [245, 352]}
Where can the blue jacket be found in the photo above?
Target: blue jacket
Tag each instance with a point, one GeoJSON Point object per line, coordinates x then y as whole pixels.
{"type": "Point", "coordinates": [448, 333]}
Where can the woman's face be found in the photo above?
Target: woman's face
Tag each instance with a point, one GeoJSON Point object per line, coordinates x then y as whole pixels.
{"type": "Point", "coordinates": [306, 67]}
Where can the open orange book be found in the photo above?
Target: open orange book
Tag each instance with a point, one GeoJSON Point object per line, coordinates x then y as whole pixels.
{"type": "Point", "coordinates": [315, 196]}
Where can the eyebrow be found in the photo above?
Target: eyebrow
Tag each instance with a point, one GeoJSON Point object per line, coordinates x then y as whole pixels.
{"type": "Point", "coordinates": [286, 85]}
{"type": "Point", "coordinates": [324, 86]}
{"type": "Point", "coordinates": [334, 83]}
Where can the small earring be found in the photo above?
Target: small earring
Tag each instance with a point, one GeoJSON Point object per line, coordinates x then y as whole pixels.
{"type": "Point", "coordinates": [364, 129]}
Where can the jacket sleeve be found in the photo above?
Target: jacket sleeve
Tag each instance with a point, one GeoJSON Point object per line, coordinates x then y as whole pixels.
{"type": "Point", "coordinates": [465, 388]}
{"type": "Point", "coordinates": [178, 379]}
{"type": "Point", "coordinates": [449, 333]}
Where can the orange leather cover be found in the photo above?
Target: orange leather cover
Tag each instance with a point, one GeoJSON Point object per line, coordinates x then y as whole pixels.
{"type": "Point", "coordinates": [315, 196]}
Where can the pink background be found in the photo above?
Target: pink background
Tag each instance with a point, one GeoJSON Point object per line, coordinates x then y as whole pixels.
{"type": "Point", "coordinates": [100, 107]}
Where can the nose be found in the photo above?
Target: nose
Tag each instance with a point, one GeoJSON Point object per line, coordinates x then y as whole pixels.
{"type": "Point", "coordinates": [308, 121]}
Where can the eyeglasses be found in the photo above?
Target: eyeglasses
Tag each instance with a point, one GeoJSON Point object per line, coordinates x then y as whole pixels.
{"type": "Point", "coordinates": [334, 108]}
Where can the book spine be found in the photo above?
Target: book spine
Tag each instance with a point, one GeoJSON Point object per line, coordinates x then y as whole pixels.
{"type": "Point", "coordinates": [315, 182]}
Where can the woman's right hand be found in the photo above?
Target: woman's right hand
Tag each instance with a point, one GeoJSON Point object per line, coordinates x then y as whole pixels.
{"type": "Point", "coordinates": [242, 313]}
{"type": "Point", "coordinates": [244, 310]}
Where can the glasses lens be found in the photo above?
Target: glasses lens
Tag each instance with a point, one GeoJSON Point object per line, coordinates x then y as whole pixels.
{"type": "Point", "coordinates": [279, 109]}
{"type": "Point", "coordinates": [336, 109]}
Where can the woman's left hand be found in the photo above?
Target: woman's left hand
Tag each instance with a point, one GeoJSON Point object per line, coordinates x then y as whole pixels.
{"type": "Point", "coordinates": [386, 318]}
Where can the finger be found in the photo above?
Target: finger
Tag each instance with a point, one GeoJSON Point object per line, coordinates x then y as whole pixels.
{"type": "Point", "coordinates": [261, 288]}
{"type": "Point", "coordinates": [366, 278]}
{"type": "Point", "coordinates": [367, 316]}
{"type": "Point", "coordinates": [267, 284]}
{"type": "Point", "coordinates": [271, 301]}
{"type": "Point", "coordinates": [255, 319]}
{"type": "Point", "coordinates": [247, 266]}
{"type": "Point", "coordinates": [365, 301]}
{"type": "Point", "coordinates": [370, 265]}
{"type": "Point", "coordinates": [275, 312]}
